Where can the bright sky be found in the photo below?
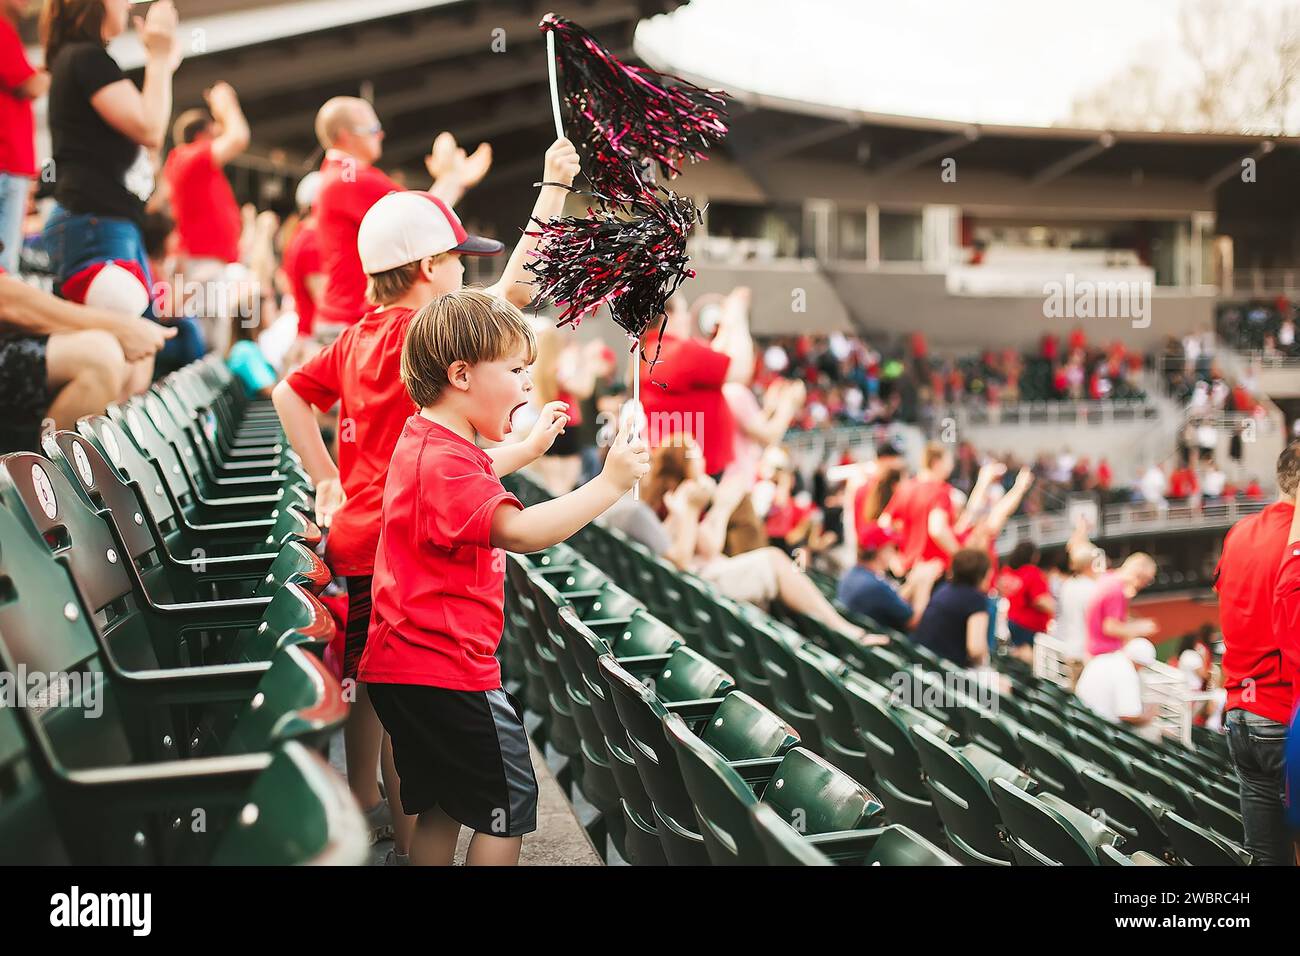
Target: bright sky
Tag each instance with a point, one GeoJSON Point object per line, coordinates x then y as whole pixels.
{"type": "Point", "coordinates": [989, 61]}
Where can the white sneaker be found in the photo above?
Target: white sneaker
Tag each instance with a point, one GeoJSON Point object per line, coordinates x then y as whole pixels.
{"type": "Point", "coordinates": [380, 820]}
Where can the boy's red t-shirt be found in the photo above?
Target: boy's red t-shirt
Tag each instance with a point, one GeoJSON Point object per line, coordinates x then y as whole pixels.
{"type": "Point", "coordinates": [360, 370]}
{"type": "Point", "coordinates": [207, 215]}
{"type": "Point", "coordinates": [438, 590]}
{"type": "Point", "coordinates": [348, 190]}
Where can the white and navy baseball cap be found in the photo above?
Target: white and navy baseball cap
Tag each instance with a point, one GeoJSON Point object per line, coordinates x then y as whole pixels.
{"type": "Point", "coordinates": [413, 225]}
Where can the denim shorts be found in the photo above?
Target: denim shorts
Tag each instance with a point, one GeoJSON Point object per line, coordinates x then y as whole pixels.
{"type": "Point", "coordinates": [76, 240]}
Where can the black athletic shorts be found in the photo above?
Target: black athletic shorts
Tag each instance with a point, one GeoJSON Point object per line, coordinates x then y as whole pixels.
{"type": "Point", "coordinates": [465, 751]}
{"type": "Point", "coordinates": [23, 377]}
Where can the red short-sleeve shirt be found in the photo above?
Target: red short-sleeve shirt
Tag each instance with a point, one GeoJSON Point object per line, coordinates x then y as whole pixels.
{"type": "Point", "coordinates": [17, 143]}
{"type": "Point", "coordinates": [361, 371]}
{"type": "Point", "coordinates": [348, 190]}
{"type": "Point", "coordinates": [207, 215]}
{"type": "Point", "coordinates": [302, 259]}
{"type": "Point", "coordinates": [910, 509]}
{"type": "Point", "coordinates": [691, 400]}
{"type": "Point", "coordinates": [439, 586]}
{"type": "Point", "coordinates": [1259, 659]}
{"type": "Point", "coordinates": [1021, 587]}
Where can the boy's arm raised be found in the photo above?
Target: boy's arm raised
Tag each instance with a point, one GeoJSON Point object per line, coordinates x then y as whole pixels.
{"type": "Point", "coordinates": [551, 522]}
{"type": "Point", "coordinates": [515, 284]}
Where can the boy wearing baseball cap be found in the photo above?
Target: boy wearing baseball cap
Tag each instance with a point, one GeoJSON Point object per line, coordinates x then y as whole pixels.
{"type": "Point", "coordinates": [458, 740]}
{"type": "Point", "coordinates": [410, 244]}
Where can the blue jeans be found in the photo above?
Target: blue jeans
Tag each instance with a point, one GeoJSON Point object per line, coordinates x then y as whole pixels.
{"type": "Point", "coordinates": [1258, 746]}
{"type": "Point", "coordinates": [76, 240]}
{"type": "Point", "coordinates": [13, 207]}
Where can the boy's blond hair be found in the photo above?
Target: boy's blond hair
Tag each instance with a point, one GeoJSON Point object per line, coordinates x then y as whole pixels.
{"type": "Point", "coordinates": [385, 288]}
{"type": "Point", "coordinates": [463, 326]}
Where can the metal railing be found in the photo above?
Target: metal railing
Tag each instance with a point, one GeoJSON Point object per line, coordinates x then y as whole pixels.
{"type": "Point", "coordinates": [1259, 282]}
{"type": "Point", "coordinates": [1047, 530]}
{"type": "Point", "coordinates": [1068, 412]}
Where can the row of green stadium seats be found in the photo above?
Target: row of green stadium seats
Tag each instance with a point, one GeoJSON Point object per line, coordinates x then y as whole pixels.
{"type": "Point", "coordinates": [1033, 778]}
{"type": "Point", "coordinates": [158, 573]}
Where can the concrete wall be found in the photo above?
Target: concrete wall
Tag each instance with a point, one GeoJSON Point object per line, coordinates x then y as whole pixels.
{"type": "Point", "coordinates": [975, 190]}
{"type": "Point", "coordinates": [888, 304]}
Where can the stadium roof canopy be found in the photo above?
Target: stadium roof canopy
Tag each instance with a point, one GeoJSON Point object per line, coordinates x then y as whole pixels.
{"type": "Point", "coordinates": [430, 65]}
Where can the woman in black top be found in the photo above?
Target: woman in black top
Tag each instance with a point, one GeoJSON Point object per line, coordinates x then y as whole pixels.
{"type": "Point", "coordinates": [103, 128]}
{"type": "Point", "coordinates": [955, 624]}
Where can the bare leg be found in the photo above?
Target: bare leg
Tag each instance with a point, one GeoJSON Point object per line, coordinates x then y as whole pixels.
{"type": "Point", "coordinates": [361, 737]}
{"type": "Point", "coordinates": [800, 594]}
{"type": "Point", "coordinates": [88, 369]}
{"type": "Point", "coordinates": [488, 850]}
{"type": "Point", "coordinates": [403, 823]}
{"type": "Point", "coordinates": [434, 841]}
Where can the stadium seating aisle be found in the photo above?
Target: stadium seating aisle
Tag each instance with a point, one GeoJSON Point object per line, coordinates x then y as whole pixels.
{"type": "Point", "coordinates": [627, 666]}
{"type": "Point", "coordinates": [158, 576]}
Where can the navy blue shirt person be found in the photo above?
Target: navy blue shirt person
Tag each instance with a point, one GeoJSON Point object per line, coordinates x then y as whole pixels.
{"type": "Point", "coordinates": [868, 589]}
{"type": "Point", "coordinates": [955, 624]}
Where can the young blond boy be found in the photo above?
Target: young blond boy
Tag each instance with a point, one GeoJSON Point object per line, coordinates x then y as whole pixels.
{"type": "Point", "coordinates": [410, 245]}
{"type": "Point", "coordinates": [458, 739]}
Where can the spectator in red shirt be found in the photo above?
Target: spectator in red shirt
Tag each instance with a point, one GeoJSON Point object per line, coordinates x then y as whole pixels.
{"type": "Point", "coordinates": [921, 511]}
{"type": "Point", "coordinates": [301, 263]}
{"type": "Point", "coordinates": [1078, 341]}
{"type": "Point", "coordinates": [203, 204]}
{"type": "Point", "coordinates": [1183, 483]}
{"type": "Point", "coordinates": [1104, 475]}
{"type": "Point", "coordinates": [353, 138]}
{"type": "Point", "coordinates": [20, 83]}
{"type": "Point", "coordinates": [1031, 607]}
{"type": "Point", "coordinates": [683, 393]}
{"type": "Point", "coordinates": [1261, 659]}
{"type": "Point", "coordinates": [1051, 347]}
{"type": "Point", "coordinates": [1253, 491]}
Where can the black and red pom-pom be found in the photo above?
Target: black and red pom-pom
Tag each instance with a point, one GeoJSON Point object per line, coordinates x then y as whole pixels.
{"type": "Point", "coordinates": [629, 255]}
{"type": "Point", "coordinates": [620, 112]}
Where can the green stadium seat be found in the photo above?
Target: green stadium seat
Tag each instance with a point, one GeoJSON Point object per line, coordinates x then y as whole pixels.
{"type": "Point", "coordinates": [963, 798]}
{"type": "Point", "coordinates": [1055, 768]}
{"type": "Point", "coordinates": [1224, 821]}
{"type": "Point", "coordinates": [689, 685]}
{"type": "Point", "coordinates": [841, 742]}
{"type": "Point", "coordinates": [1196, 846]}
{"type": "Point", "coordinates": [284, 808]}
{"type": "Point", "coordinates": [882, 846]}
{"type": "Point", "coordinates": [149, 715]}
{"type": "Point", "coordinates": [1040, 834]}
{"type": "Point", "coordinates": [127, 508]}
{"type": "Point", "coordinates": [1134, 814]}
{"type": "Point", "coordinates": [806, 791]}
{"type": "Point", "coordinates": [892, 755]}
{"type": "Point", "coordinates": [143, 628]}
{"type": "Point", "coordinates": [776, 646]}
{"type": "Point", "coordinates": [1113, 856]}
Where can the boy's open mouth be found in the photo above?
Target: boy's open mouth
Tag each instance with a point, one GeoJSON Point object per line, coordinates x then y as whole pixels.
{"type": "Point", "coordinates": [510, 425]}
